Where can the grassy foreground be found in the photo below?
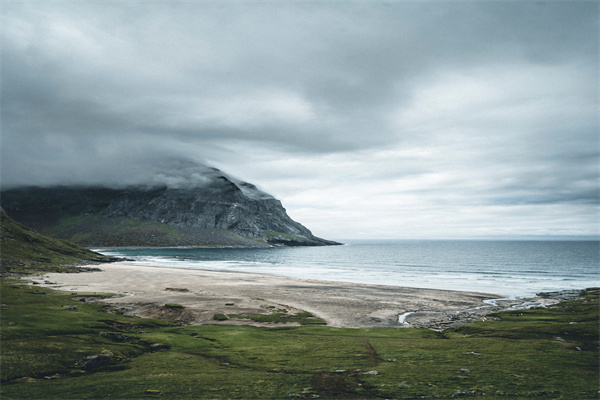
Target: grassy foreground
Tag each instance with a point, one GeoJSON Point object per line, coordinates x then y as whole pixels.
{"type": "Point", "coordinates": [24, 250]}
{"type": "Point", "coordinates": [55, 346]}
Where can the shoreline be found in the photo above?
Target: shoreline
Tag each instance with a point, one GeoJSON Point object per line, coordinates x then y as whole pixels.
{"type": "Point", "coordinates": [143, 291]}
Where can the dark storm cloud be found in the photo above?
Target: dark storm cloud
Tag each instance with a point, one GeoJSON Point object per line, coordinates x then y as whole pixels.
{"type": "Point", "coordinates": [495, 101]}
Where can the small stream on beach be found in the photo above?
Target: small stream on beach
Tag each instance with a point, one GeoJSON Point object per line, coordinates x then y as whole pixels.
{"type": "Point", "coordinates": [459, 317]}
{"type": "Point", "coordinates": [516, 269]}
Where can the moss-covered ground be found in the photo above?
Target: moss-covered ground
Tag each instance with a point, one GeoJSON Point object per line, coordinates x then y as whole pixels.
{"type": "Point", "coordinates": [54, 346]}
{"type": "Point", "coordinates": [24, 250]}
{"type": "Point", "coordinates": [278, 316]}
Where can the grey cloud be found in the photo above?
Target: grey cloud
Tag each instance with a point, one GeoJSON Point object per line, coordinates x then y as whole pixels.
{"type": "Point", "coordinates": [92, 89]}
{"type": "Point", "coordinates": [344, 58]}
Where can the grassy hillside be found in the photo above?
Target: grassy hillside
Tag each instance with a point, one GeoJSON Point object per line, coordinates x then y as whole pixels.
{"type": "Point", "coordinates": [22, 249]}
{"type": "Point", "coordinates": [56, 346]}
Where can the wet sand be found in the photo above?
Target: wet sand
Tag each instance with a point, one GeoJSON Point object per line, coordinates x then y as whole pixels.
{"type": "Point", "coordinates": [144, 291]}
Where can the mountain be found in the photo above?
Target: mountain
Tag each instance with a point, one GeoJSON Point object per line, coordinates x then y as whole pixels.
{"type": "Point", "coordinates": [202, 208]}
{"type": "Point", "coordinates": [22, 248]}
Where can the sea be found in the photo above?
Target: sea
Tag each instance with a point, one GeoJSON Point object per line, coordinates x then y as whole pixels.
{"type": "Point", "coordinates": [516, 269]}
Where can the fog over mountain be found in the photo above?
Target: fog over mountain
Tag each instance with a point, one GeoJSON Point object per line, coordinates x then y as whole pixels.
{"type": "Point", "coordinates": [167, 172]}
{"type": "Point", "coordinates": [424, 119]}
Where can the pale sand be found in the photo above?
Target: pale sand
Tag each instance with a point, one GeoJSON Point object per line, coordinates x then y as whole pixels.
{"type": "Point", "coordinates": [204, 293]}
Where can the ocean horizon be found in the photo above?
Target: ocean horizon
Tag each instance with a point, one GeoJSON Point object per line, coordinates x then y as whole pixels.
{"type": "Point", "coordinates": [512, 268]}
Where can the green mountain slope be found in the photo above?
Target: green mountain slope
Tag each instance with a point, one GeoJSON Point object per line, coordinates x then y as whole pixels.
{"type": "Point", "coordinates": [22, 249]}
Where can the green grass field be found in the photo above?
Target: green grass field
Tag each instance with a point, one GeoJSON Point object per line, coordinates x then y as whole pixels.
{"type": "Point", "coordinates": [56, 347]}
{"type": "Point", "coordinates": [25, 251]}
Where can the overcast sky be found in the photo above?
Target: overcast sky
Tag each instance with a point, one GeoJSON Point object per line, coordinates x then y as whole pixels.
{"type": "Point", "coordinates": [389, 119]}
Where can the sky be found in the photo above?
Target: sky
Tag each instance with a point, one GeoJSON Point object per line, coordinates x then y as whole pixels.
{"type": "Point", "coordinates": [368, 120]}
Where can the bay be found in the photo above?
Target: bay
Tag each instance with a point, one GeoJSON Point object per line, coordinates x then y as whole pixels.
{"type": "Point", "coordinates": [508, 268]}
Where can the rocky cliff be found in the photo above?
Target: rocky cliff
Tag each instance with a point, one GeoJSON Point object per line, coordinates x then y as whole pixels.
{"type": "Point", "coordinates": [218, 211]}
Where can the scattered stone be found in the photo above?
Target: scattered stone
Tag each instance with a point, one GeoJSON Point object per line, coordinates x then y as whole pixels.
{"type": "Point", "coordinates": [561, 295]}
{"type": "Point", "coordinates": [465, 393]}
{"type": "Point", "coordinates": [371, 373]}
{"type": "Point", "coordinates": [558, 338]}
{"type": "Point", "coordinates": [303, 395]}
{"type": "Point", "coordinates": [91, 361]}
{"type": "Point", "coordinates": [340, 371]}
{"type": "Point", "coordinates": [465, 371]}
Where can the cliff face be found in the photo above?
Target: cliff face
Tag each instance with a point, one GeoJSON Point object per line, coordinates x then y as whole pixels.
{"type": "Point", "coordinates": [219, 212]}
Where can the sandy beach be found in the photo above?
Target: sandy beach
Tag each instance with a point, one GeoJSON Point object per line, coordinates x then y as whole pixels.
{"type": "Point", "coordinates": [143, 291]}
